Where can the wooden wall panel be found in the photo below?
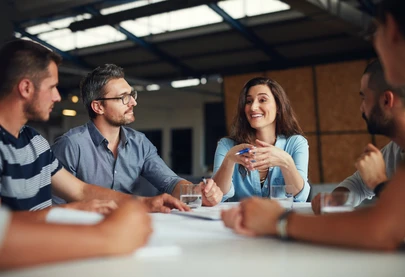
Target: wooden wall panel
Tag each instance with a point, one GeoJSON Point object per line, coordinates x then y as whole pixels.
{"type": "Point", "coordinates": [232, 88]}
{"type": "Point", "coordinates": [338, 93]}
{"type": "Point", "coordinates": [299, 86]}
{"type": "Point", "coordinates": [313, 171]}
{"type": "Point", "coordinates": [339, 153]}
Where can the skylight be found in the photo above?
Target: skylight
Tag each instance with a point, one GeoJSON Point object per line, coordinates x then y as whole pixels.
{"type": "Point", "coordinates": [245, 8]}
{"type": "Point", "coordinates": [56, 24]}
{"type": "Point", "coordinates": [128, 6]}
{"type": "Point", "coordinates": [172, 21]}
{"type": "Point", "coordinates": [65, 40]}
{"type": "Point", "coordinates": [57, 33]}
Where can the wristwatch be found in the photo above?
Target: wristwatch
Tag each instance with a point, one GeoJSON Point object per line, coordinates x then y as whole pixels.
{"type": "Point", "coordinates": [282, 224]}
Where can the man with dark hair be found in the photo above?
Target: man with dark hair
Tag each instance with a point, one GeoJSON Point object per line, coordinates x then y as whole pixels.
{"type": "Point", "coordinates": [27, 164]}
{"type": "Point", "coordinates": [374, 167]}
{"type": "Point", "coordinates": [379, 227]}
{"type": "Point", "coordinates": [389, 40]}
{"type": "Point", "coordinates": [28, 80]}
{"type": "Point", "coordinates": [110, 154]}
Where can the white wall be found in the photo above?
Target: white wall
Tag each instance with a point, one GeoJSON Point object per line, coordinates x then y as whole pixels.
{"type": "Point", "coordinates": [158, 110]}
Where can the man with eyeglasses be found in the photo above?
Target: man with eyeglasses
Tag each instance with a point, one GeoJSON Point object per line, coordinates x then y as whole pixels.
{"type": "Point", "coordinates": [106, 152]}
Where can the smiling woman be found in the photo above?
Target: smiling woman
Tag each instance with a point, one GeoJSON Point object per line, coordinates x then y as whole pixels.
{"type": "Point", "coordinates": [278, 153]}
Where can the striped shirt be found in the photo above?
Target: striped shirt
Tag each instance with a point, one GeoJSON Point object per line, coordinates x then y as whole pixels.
{"type": "Point", "coordinates": [26, 166]}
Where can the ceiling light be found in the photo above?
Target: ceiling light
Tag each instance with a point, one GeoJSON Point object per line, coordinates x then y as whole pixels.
{"type": "Point", "coordinates": [74, 99]}
{"type": "Point", "coordinates": [69, 112]}
{"type": "Point", "coordinates": [152, 87]}
{"type": "Point", "coordinates": [185, 83]}
{"type": "Point", "coordinates": [203, 81]}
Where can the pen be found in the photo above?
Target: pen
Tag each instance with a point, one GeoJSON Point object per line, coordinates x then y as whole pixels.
{"type": "Point", "coordinates": [243, 151]}
{"type": "Point", "coordinates": [204, 180]}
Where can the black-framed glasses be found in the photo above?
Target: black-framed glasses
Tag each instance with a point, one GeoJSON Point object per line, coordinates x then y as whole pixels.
{"type": "Point", "coordinates": [125, 98]}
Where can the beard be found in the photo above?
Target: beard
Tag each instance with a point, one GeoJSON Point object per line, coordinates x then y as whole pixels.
{"type": "Point", "coordinates": [32, 110]}
{"type": "Point", "coordinates": [118, 122]}
{"type": "Point", "coordinates": [378, 123]}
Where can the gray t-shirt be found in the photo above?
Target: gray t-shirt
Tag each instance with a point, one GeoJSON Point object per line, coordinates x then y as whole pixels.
{"type": "Point", "coordinates": [4, 221]}
{"type": "Point", "coordinates": [392, 155]}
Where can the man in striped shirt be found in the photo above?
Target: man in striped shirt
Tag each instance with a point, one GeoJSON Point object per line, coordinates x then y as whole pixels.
{"type": "Point", "coordinates": [28, 91]}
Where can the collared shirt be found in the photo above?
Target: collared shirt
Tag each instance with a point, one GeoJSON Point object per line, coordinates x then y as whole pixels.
{"type": "Point", "coordinates": [27, 165]}
{"type": "Point", "coordinates": [392, 155]}
{"type": "Point", "coordinates": [249, 185]}
{"type": "Point", "coordinates": [84, 152]}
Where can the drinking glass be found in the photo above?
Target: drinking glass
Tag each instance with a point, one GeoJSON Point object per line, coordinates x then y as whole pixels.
{"type": "Point", "coordinates": [279, 193]}
{"type": "Point", "coordinates": [336, 202]}
{"type": "Point", "coordinates": [190, 194]}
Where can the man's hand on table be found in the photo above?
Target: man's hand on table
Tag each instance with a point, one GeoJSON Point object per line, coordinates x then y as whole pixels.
{"type": "Point", "coordinates": [95, 205]}
{"type": "Point", "coordinates": [163, 203]}
{"type": "Point", "coordinates": [254, 217]}
{"type": "Point", "coordinates": [126, 228]}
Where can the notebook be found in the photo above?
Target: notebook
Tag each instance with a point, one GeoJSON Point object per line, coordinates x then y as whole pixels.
{"type": "Point", "coordinates": [201, 213]}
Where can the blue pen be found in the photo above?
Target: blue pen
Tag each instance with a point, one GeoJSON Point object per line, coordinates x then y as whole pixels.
{"type": "Point", "coordinates": [243, 151]}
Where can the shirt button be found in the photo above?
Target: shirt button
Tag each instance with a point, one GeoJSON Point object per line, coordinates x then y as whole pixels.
{"type": "Point", "coordinates": [115, 171]}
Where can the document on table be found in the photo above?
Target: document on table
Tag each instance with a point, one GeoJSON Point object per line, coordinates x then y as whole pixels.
{"type": "Point", "coordinates": [210, 213]}
{"type": "Point", "coordinates": [70, 216]}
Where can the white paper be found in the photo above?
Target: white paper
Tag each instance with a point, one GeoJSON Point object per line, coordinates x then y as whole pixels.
{"type": "Point", "coordinates": [70, 216]}
{"type": "Point", "coordinates": [158, 251]}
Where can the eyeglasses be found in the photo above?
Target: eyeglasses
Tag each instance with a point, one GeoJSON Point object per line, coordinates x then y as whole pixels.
{"type": "Point", "coordinates": [125, 98]}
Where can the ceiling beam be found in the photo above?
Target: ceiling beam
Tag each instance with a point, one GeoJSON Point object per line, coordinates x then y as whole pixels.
{"type": "Point", "coordinates": [148, 10]}
{"type": "Point", "coordinates": [356, 19]}
{"type": "Point", "coordinates": [247, 33]}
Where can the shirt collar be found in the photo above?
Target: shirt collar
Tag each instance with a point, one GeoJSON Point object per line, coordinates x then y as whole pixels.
{"type": "Point", "coordinates": [98, 138]}
{"type": "Point", "coordinates": [281, 141]}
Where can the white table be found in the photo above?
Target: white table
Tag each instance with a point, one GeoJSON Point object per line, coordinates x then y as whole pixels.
{"type": "Point", "coordinates": [209, 249]}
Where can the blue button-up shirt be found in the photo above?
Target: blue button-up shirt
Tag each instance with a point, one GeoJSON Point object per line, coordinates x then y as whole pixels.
{"type": "Point", "coordinates": [249, 185]}
{"type": "Point", "coordinates": [84, 152]}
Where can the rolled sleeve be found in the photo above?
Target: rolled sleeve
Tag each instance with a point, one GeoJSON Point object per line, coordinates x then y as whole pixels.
{"type": "Point", "coordinates": [157, 172]}
{"type": "Point", "coordinates": [300, 156]}
{"type": "Point", "coordinates": [357, 188]}
{"type": "Point", "coordinates": [220, 153]}
{"type": "Point", "coordinates": [5, 218]}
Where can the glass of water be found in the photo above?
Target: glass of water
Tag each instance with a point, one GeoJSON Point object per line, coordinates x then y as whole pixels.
{"type": "Point", "coordinates": [281, 195]}
{"type": "Point", "coordinates": [190, 194]}
{"type": "Point", "coordinates": [336, 202]}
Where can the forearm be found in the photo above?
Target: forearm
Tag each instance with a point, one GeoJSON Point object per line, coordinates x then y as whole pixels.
{"type": "Point", "coordinates": [91, 192]}
{"type": "Point", "coordinates": [291, 175]}
{"type": "Point", "coordinates": [35, 216]}
{"type": "Point", "coordinates": [176, 190]}
{"type": "Point", "coordinates": [29, 243]}
{"type": "Point", "coordinates": [358, 229]}
{"type": "Point", "coordinates": [223, 177]}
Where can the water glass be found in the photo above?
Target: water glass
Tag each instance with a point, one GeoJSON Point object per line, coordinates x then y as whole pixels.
{"type": "Point", "coordinates": [279, 193]}
{"type": "Point", "coordinates": [190, 194]}
{"type": "Point", "coordinates": [336, 202]}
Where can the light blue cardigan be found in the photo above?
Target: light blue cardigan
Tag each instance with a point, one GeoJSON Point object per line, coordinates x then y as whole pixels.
{"type": "Point", "coordinates": [242, 187]}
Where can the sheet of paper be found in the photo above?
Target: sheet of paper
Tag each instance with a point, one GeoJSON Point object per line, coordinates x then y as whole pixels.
{"type": "Point", "coordinates": [70, 216]}
{"type": "Point", "coordinates": [158, 251]}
